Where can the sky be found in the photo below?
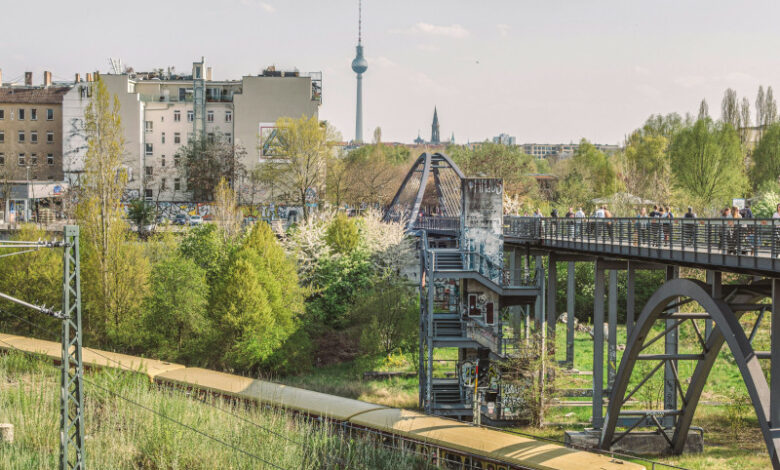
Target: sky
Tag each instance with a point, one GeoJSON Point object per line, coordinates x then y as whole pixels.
{"type": "Point", "coordinates": [543, 71]}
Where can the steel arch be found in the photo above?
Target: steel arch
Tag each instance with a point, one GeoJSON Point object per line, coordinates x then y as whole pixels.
{"type": "Point", "coordinates": [727, 329]}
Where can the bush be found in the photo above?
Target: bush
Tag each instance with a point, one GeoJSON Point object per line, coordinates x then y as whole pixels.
{"type": "Point", "coordinates": [342, 235]}
{"type": "Point", "coordinates": [386, 317]}
{"type": "Point", "coordinates": [338, 282]}
{"type": "Point", "coordinates": [205, 245]}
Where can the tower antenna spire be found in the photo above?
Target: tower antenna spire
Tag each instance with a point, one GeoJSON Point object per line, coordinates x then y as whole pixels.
{"type": "Point", "coordinates": [360, 21]}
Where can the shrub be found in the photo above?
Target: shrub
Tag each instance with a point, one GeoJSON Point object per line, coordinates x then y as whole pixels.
{"type": "Point", "coordinates": [342, 235]}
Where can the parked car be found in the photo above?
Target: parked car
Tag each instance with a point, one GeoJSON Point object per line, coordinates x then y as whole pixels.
{"type": "Point", "coordinates": [180, 219]}
{"type": "Point", "coordinates": [196, 220]}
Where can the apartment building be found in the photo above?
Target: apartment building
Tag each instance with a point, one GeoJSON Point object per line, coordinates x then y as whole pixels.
{"type": "Point", "coordinates": [562, 150]}
{"type": "Point", "coordinates": [30, 149]}
{"type": "Point", "coordinates": [162, 111]}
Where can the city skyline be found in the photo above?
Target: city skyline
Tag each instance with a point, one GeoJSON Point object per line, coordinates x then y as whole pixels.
{"type": "Point", "coordinates": [542, 73]}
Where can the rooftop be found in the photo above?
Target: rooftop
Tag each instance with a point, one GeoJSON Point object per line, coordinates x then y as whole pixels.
{"type": "Point", "coordinates": [33, 95]}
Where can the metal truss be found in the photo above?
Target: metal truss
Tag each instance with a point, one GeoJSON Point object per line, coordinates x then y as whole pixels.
{"type": "Point", "coordinates": [434, 178]}
{"type": "Point", "coordinates": [724, 310]}
{"type": "Point", "coordinates": [72, 387]}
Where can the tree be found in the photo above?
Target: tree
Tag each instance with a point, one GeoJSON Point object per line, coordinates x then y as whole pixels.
{"type": "Point", "coordinates": [140, 212]}
{"type": "Point", "coordinates": [115, 270]}
{"type": "Point", "coordinates": [205, 245]}
{"type": "Point", "coordinates": [729, 108]}
{"type": "Point", "coordinates": [770, 108]}
{"type": "Point", "coordinates": [368, 175]}
{"type": "Point", "coordinates": [342, 235]}
{"type": "Point", "coordinates": [646, 167]}
{"type": "Point", "coordinates": [707, 162]}
{"type": "Point", "coordinates": [208, 161]}
{"type": "Point", "coordinates": [588, 174]}
{"type": "Point", "coordinates": [744, 120]}
{"type": "Point", "coordinates": [226, 213]}
{"type": "Point", "coordinates": [256, 303]}
{"type": "Point", "coordinates": [174, 316]}
{"type": "Point", "coordinates": [704, 109]}
{"type": "Point", "coordinates": [386, 317]}
{"type": "Point", "coordinates": [766, 158]}
{"type": "Point", "coordinates": [499, 161]}
{"type": "Point", "coordinates": [303, 147]}
{"type": "Point", "coordinates": [760, 107]}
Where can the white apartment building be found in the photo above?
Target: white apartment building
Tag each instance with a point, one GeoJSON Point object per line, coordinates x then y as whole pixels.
{"type": "Point", "coordinates": [161, 111]}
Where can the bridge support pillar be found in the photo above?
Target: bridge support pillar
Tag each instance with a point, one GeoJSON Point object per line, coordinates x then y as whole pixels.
{"type": "Point", "coordinates": [570, 297]}
{"type": "Point", "coordinates": [671, 348]}
{"type": "Point", "coordinates": [539, 304]}
{"type": "Point", "coordinates": [774, 374]}
{"type": "Point", "coordinates": [714, 279]}
{"type": "Point", "coordinates": [612, 327]}
{"type": "Point", "coordinates": [552, 290]}
{"type": "Point", "coordinates": [630, 298]}
{"type": "Point", "coordinates": [598, 347]}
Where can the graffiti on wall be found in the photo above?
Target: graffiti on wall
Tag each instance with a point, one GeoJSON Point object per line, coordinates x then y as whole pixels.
{"type": "Point", "coordinates": [482, 219]}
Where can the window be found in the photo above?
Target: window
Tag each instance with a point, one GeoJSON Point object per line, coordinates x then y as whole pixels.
{"type": "Point", "coordinates": [177, 184]}
{"type": "Point", "coordinates": [176, 161]}
{"type": "Point", "coordinates": [162, 183]}
{"type": "Point", "coordinates": [49, 114]}
{"type": "Point", "coordinates": [162, 161]}
{"type": "Point", "coordinates": [2, 114]}
{"type": "Point", "coordinates": [148, 193]}
{"type": "Point", "coordinates": [34, 137]}
{"type": "Point", "coordinates": [2, 137]}
{"type": "Point", "coordinates": [163, 137]}
{"type": "Point", "coordinates": [21, 136]}
{"type": "Point", "coordinates": [33, 159]}
{"type": "Point", "coordinates": [33, 114]}
{"type": "Point", "coordinates": [210, 137]}
{"type": "Point", "coordinates": [148, 171]}
{"type": "Point", "coordinates": [50, 137]}
{"type": "Point", "coordinates": [2, 159]}
{"type": "Point", "coordinates": [210, 116]}
{"type": "Point", "coordinates": [190, 116]}
{"type": "Point", "coordinates": [228, 137]}
{"type": "Point", "coordinates": [21, 114]}
{"type": "Point", "coordinates": [149, 149]}
{"type": "Point", "coordinates": [148, 126]}
{"type": "Point", "coordinates": [177, 137]}
{"type": "Point", "coordinates": [21, 159]}
{"type": "Point", "coordinates": [228, 116]}
{"type": "Point", "coordinates": [176, 116]}
{"type": "Point", "coordinates": [50, 159]}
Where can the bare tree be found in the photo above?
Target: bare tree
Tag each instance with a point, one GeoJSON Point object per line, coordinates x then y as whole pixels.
{"type": "Point", "coordinates": [760, 109]}
{"type": "Point", "coordinates": [704, 109]}
{"type": "Point", "coordinates": [744, 120]}
{"type": "Point", "coordinates": [770, 107]}
{"type": "Point", "coordinates": [730, 108]}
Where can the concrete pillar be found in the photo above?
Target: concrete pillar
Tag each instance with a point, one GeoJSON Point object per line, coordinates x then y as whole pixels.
{"type": "Point", "coordinates": [598, 348]}
{"type": "Point", "coordinates": [570, 297]}
{"type": "Point", "coordinates": [670, 347]}
{"type": "Point", "coordinates": [612, 328]}
{"type": "Point", "coordinates": [539, 307]}
{"type": "Point", "coordinates": [552, 290]}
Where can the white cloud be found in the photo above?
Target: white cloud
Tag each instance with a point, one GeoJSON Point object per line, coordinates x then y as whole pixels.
{"type": "Point", "coordinates": [453, 31]}
{"type": "Point", "coordinates": [503, 29]}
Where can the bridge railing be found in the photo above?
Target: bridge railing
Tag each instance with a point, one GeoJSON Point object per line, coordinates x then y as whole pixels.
{"type": "Point", "coordinates": [743, 237]}
{"type": "Point", "coordinates": [437, 223]}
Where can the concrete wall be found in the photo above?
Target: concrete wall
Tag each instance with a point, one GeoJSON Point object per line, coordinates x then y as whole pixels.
{"type": "Point", "coordinates": [131, 110]}
{"type": "Point", "coordinates": [74, 139]}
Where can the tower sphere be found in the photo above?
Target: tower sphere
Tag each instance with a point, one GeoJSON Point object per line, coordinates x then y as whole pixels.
{"type": "Point", "coordinates": [359, 64]}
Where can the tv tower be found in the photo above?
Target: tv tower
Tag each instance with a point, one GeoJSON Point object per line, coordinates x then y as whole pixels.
{"type": "Point", "coordinates": [359, 65]}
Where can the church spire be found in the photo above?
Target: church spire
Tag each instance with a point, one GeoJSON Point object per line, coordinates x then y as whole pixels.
{"type": "Point", "coordinates": [435, 128]}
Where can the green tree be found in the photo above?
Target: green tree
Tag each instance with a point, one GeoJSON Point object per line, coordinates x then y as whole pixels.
{"type": "Point", "coordinates": [588, 174]}
{"type": "Point", "coordinates": [303, 147]}
{"type": "Point", "coordinates": [342, 235]}
{"type": "Point", "coordinates": [646, 169]}
{"type": "Point", "coordinates": [140, 212]}
{"type": "Point", "coordinates": [338, 282]}
{"type": "Point", "coordinates": [766, 157]}
{"type": "Point", "coordinates": [256, 302]}
{"type": "Point", "coordinates": [707, 163]}
{"type": "Point", "coordinates": [499, 161]}
{"type": "Point", "coordinates": [114, 269]}
{"type": "Point", "coordinates": [729, 108]}
{"type": "Point", "coordinates": [386, 317]}
{"type": "Point", "coordinates": [174, 316]}
{"type": "Point", "coordinates": [206, 246]}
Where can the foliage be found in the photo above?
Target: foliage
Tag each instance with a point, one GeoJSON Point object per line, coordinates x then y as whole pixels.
{"type": "Point", "coordinates": [498, 161]}
{"type": "Point", "coordinates": [303, 147]}
{"type": "Point", "coordinates": [588, 174]}
{"type": "Point", "coordinates": [338, 281]}
{"type": "Point", "coordinates": [369, 175]}
{"type": "Point", "coordinates": [706, 162]}
{"type": "Point", "coordinates": [227, 216]}
{"type": "Point", "coordinates": [765, 204]}
{"type": "Point", "coordinates": [646, 169]}
{"type": "Point", "coordinates": [737, 410]}
{"type": "Point", "coordinates": [256, 302]}
{"type": "Point", "coordinates": [390, 248]}
{"type": "Point", "coordinates": [766, 157]}
{"type": "Point", "coordinates": [174, 318]}
{"type": "Point", "coordinates": [33, 277]}
{"type": "Point", "coordinates": [386, 317]}
{"type": "Point", "coordinates": [534, 390]}
{"type": "Point", "coordinates": [306, 243]}
{"type": "Point", "coordinates": [207, 161]}
{"type": "Point", "coordinates": [114, 268]}
{"type": "Point", "coordinates": [205, 245]}
{"type": "Point", "coordinates": [342, 235]}
{"type": "Point", "coordinates": [140, 212]}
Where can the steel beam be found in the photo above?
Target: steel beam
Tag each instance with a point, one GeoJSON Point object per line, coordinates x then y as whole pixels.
{"type": "Point", "coordinates": [612, 327]}
{"type": "Point", "coordinates": [774, 374]}
{"type": "Point", "coordinates": [552, 290]}
{"type": "Point", "coordinates": [630, 299]}
{"type": "Point", "coordinates": [570, 304]}
{"type": "Point", "coordinates": [598, 347]}
{"type": "Point", "coordinates": [671, 350]}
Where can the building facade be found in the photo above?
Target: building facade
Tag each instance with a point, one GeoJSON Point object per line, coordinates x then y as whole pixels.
{"type": "Point", "coordinates": [31, 171]}
{"type": "Point", "coordinates": [561, 150]}
{"type": "Point", "coordinates": [161, 111]}
{"type": "Point", "coordinates": [504, 139]}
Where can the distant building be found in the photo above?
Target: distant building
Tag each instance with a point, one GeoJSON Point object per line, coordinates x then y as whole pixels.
{"type": "Point", "coordinates": [30, 149]}
{"type": "Point", "coordinates": [504, 139]}
{"type": "Point", "coordinates": [562, 150]}
{"type": "Point", "coordinates": [435, 135]}
{"type": "Point", "coordinates": [161, 111]}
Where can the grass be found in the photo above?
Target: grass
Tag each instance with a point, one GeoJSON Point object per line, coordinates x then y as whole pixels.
{"type": "Point", "coordinates": [120, 435]}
